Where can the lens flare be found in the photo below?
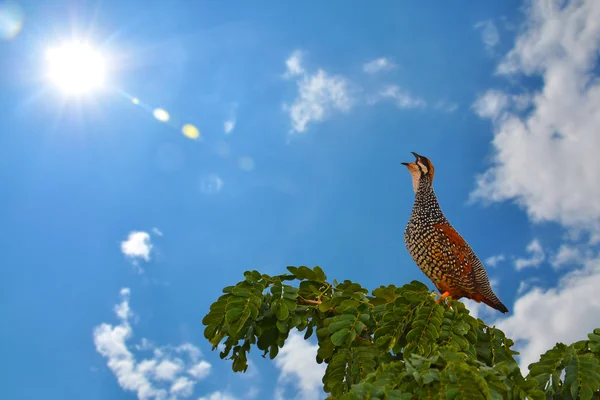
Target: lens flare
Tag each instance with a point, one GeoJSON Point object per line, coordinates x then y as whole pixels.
{"type": "Point", "coordinates": [246, 163]}
{"type": "Point", "coordinates": [11, 20]}
{"type": "Point", "coordinates": [211, 184]}
{"type": "Point", "coordinates": [190, 131]}
{"type": "Point", "coordinates": [161, 115]}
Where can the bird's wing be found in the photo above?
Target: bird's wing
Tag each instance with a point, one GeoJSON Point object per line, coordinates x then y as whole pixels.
{"type": "Point", "coordinates": [460, 249]}
{"type": "Point", "coordinates": [469, 270]}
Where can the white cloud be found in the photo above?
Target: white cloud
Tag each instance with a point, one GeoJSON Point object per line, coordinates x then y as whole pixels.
{"type": "Point", "coordinates": [378, 65]}
{"type": "Point", "coordinates": [491, 104]}
{"type": "Point", "coordinates": [546, 159]}
{"type": "Point", "coordinates": [536, 256]}
{"type": "Point", "coordinates": [193, 352]}
{"type": "Point", "coordinates": [524, 285]}
{"type": "Point", "coordinates": [489, 34]}
{"type": "Point", "coordinates": [137, 247]}
{"type": "Point", "coordinates": [229, 125]}
{"type": "Point", "coordinates": [493, 261]}
{"type": "Point", "coordinates": [446, 107]}
{"type": "Point", "coordinates": [182, 386]}
{"type": "Point", "coordinates": [122, 309]}
{"type": "Point", "coordinates": [298, 365]}
{"type": "Point", "coordinates": [252, 392]}
{"type": "Point", "coordinates": [566, 255]}
{"type": "Point", "coordinates": [494, 283]}
{"type": "Point", "coordinates": [230, 122]}
{"type": "Point", "coordinates": [157, 231]}
{"type": "Point", "coordinates": [218, 396]}
{"type": "Point", "coordinates": [153, 378]}
{"type": "Point", "coordinates": [200, 370]}
{"type": "Point", "coordinates": [167, 370]}
{"type": "Point", "coordinates": [319, 95]}
{"type": "Point", "coordinates": [478, 310]}
{"type": "Point", "coordinates": [402, 98]}
{"type": "Point", "coordinates": [543, 317]}
{"type": "Point", "coordinates": [278, 393]}
{"type": "Point", "coordinates": [294, 64]}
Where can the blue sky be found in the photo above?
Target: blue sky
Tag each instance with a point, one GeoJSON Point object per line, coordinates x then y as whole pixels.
{"type": "Point", "coordinates": [119, 231]}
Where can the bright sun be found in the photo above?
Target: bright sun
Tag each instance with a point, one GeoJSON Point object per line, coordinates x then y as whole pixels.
{"type": "Point", "coordinates": [75, 68]}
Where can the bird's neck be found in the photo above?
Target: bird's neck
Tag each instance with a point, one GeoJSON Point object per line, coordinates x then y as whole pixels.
{"type": "Point", "coordinates": [424, 189]}
{"type": "Point", "coordinates": [426, 201]}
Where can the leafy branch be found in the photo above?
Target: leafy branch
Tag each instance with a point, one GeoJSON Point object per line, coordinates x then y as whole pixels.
{"type": "Point", "coordinates": [393, 343]}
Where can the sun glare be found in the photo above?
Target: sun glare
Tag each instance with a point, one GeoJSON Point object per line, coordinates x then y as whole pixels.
{"type": "Point", "coordinates": [75, 68]}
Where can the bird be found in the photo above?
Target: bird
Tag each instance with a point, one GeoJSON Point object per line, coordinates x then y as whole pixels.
{"type": "Point", "coordinates": [438, 249]}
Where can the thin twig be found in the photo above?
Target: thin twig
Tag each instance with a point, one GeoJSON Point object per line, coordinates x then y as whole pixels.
{"type": "Point", "coordinates": [313, 302]}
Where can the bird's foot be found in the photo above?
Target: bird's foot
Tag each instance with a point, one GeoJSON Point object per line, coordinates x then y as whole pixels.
{"type": "Point", "coordinates": [443, 298]}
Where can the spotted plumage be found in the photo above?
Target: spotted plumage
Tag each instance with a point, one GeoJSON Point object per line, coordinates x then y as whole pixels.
{"type": "Point", "coordinates": [438, 249]}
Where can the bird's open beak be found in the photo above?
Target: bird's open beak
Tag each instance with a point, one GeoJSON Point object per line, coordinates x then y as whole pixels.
{"type": "Point", "coordinates": [414, 154]}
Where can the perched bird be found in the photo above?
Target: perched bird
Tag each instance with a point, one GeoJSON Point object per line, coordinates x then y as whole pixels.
{"type": "Point", "coordinates": [441, 253]}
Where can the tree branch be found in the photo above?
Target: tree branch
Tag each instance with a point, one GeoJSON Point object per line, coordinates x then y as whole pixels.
{"type": "Point", "coordinates": [312, 302]}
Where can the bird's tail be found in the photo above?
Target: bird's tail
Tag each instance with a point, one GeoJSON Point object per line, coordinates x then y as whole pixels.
{"type": "Point", "coordinates": [491, 300]}
{"type": "Point", "coordinates": [484, 290]}
{"type": "Point", "coordinates": [496, 304]}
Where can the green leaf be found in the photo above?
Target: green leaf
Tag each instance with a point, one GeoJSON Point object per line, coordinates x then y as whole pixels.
{"type": "Point", "coordinates": [340, 324]}
{"type": "Point", "coordinates": [268, 334]}
{"type": "Point", "coordinates": [549, 368]}
{"type": "Point", "coordinates": [291, 305]}
{"type": "Point", "coordinates": [385, 343]}
{"type": "Point", "coordinates": [431, 375]}
{"type": "Point", "coordinates": [319, 275]}
{"type": "Point", "coordinates": [340, 337]}
{"type": "Point", "coordinates": [384, 294]}
{"type": "Point", "coordinates": [280, 309]}
{"type": "Point", "coordinates": [466, 383]}
{"type": "Point", "coordinates": [337, 373]}
{"type": "Point", "coordinates": [325, 351]}
{"type": "Point", "coordinates": [236, 327]}
{"type": "Point", "coordinates": [524, 389]}
{"type": "Point", "coordinates": [273, 351]}
{"type": "Point", "coordinates": [325, 305]}
{"type": "Point", "coordinates": [594, 344]}
{"type": "Point", "coordinates": [309, 331]}
{"type": "Point", "coordinates": [240, 291]}
{"type": "Point", "coordinates": [234, 314]}
{"type": "Point", "coordinates": [282, 326]}
{"type": "Point", "coordinates": [252, 276]}
{"type": "Point", "coordinates": [302, 273]}
{"type": "Point", "coordinates": [425, 329]}
{"type": "Point", "coordinates": [582, 374]}
{"type": "Point", "coordinates": [290, 292]}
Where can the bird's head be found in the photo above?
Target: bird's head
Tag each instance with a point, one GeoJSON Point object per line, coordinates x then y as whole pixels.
{"type": "Point", "coordinates": [419, 169]}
